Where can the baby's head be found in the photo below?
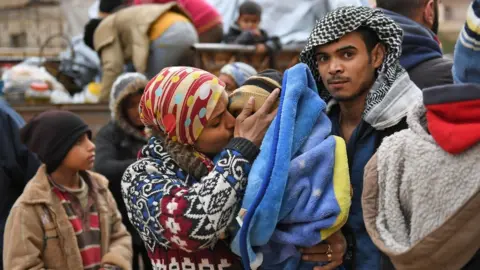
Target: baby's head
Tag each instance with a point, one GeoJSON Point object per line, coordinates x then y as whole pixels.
{"type": "Point", "coordinates": [250, 14]}
{"type": "Point", "coordinates": [259, 86]}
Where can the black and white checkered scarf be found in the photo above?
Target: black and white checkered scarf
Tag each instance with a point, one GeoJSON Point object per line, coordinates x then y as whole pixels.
{"type": "Point", "coordinates": [344, 20]}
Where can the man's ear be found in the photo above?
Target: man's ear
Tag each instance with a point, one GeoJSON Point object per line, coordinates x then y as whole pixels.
{"type": "Point", "coordinates": [378, 55]}
{"type": "Point", "coordinates": [428, 14]}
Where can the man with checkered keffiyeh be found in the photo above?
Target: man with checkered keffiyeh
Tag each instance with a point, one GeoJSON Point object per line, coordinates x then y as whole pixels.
{"type": "Point", "coordinates": [354, 55]}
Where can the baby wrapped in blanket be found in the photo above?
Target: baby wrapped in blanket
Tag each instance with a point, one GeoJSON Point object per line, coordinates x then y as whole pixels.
{"type": "Point", "coordinates": [298, 190]}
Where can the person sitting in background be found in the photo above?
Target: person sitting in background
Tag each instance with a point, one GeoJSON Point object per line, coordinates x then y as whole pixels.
{"type": "Point", "coordinates": [235, 74]}
{"type": "Point", "coordinates": [246, 29]}
{"type": "Point", "coordinates": [65, 218]}
{"type": "Point", "coordinates": [205, 17]}
{"type": "Point", "coordinates": [291, 21]}
{"type": "Point", "coordinates": [118, 144]}
{"type": "Point", "coordinates": [150, 37]}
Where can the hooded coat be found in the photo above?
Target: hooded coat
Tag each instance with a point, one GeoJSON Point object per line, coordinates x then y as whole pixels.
{"type": "Point", "coordinates": [422, 190]}
{"type": "Point", "coordinates": [422, 56]}
{"type": "Point", "coordinates": [118, 143]}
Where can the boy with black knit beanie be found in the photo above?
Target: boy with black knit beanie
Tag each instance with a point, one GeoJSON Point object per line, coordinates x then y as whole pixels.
{"type": "Point", "coordinates": [246, 30]}
{"type": "Point", "coordinates": [66, 218]}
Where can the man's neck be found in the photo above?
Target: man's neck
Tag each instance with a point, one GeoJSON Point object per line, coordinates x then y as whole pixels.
{"type": "Point", "coordinates": [350, 116]}
{"type": "Point", "coordinates": [351, 111]}
{"type": "Point", "coordinates": [66, 177]}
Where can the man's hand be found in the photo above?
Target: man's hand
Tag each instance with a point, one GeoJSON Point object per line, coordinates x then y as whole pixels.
{"type": "Point", "coordinates": [319, 253]}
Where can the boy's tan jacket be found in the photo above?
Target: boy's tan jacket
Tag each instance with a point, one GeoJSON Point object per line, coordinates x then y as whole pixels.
{"type": "Point", "coordinates": [38, 237]}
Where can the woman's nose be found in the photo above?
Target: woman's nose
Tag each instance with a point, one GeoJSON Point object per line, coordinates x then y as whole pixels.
{"type": "Point", "coordinates": [229, 120]}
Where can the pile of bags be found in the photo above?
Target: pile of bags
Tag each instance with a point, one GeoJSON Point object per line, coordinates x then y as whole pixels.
{"type": "Point", "coordinates": [31, 82]}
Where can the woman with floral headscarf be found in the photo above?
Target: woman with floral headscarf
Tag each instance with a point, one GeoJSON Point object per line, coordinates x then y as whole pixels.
{"type": "Point", "coordinates": [180, 201]}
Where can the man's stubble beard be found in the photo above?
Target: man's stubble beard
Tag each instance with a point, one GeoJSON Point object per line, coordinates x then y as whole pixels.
{"type": "Point", "coordinates": [364, 88]}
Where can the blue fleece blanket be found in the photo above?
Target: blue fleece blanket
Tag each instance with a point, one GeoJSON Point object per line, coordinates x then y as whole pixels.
{"type": "Point", "coordinates": [290, 196]}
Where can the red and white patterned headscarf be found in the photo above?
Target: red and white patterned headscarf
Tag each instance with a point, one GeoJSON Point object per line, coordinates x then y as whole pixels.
{"type": "Point", "coordinates": [179, 101]}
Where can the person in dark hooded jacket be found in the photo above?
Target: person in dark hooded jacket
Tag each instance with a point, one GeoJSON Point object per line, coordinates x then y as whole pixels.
{"type": "Point", "coordinates": [17, 164]}
{"type": "Point", "coordinates": [118, 144]}
{"type": "Point", "coordinates": [422, 55]}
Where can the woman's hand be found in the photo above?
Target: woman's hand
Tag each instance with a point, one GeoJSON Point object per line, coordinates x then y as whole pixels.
{"type": "Point", "coordinates": [253, 127]}
{"type": "Point", "coordinates": [335, 245]}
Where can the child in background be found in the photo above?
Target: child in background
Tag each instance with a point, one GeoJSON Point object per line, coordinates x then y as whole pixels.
{"type": "Point", "coordinates": [117, 146]}
{"type": "Point", "coordinates": [66, 218]}
{"type": "Point", "coordinates": [246, 29]}
{"type": "Point", "coordinates": [235, 74]}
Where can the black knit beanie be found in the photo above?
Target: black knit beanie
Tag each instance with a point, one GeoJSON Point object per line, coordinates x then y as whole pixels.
{"type": "Point", "coordinates": [52, 134]}
{"type": "Point", "coordinates": [108, 6]}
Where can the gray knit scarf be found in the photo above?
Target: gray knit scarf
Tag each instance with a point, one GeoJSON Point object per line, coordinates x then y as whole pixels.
{"type": "Point", "coordinates": [342, 21]}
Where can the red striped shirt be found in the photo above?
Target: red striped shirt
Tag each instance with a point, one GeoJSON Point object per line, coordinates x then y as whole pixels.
{"type": "Point", "coordinates": [86, 227]}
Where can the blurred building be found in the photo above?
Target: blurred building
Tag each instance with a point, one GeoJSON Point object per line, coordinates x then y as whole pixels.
{"type": "Point", "coordinates": [26, 23]}
{"type": "Point", "coordinates": [29, 23]}
{"type": "Point", "coordinates": [454, 15]}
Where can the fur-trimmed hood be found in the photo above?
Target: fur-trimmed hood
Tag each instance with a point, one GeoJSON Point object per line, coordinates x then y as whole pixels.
{"type": "Point", "coordinates": [124, 86]}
